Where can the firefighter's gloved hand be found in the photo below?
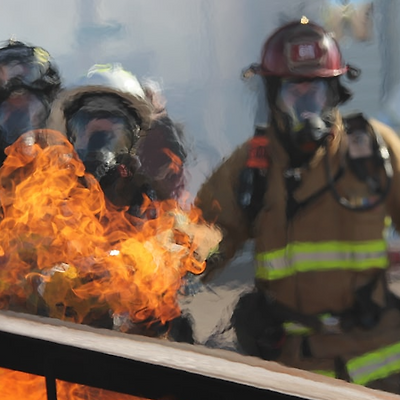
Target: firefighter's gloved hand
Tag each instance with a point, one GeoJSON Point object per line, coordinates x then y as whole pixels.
{"type": "Point", "coordinates": [214, 264]}
{"type": "Point", "coordinates": [193, 283]}
{"type": "Point", "coordinates": [257, 331]}
{"type": "Point", "coordinates": [270, 342]}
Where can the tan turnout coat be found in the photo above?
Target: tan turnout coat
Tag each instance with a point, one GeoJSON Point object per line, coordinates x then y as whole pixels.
{"type": "Point", "coordinates": [323, 220]}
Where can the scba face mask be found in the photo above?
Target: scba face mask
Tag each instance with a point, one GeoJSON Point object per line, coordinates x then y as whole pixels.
{"type": "Point", "coordinates": [306, 110]}
{"type": "Point", "coordinates": [28, 84]}
{"type": "Point", "coordinates": [102, 134]}
{"type": "Point", "coordinates": [21, 112]}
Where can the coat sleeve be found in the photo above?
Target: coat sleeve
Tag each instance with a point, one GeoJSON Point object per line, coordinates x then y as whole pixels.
{"type": "Point", "coordinates": [393, 143]}
{"type": "Point", "coordinates": [217, 199]}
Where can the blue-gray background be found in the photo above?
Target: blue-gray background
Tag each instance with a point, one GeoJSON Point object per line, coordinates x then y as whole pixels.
{"type": "Point", "coordinates": [196, 49]}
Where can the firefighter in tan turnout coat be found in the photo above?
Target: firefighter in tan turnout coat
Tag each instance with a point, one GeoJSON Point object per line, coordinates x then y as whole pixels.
{"type": "Point", "coordinates": [314, 189]}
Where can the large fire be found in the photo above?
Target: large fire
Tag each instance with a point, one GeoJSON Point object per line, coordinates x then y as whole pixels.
{"type": "Point", "coordinates": [66, 254]}
{"type": "Point", "coordinates": [15, 385]}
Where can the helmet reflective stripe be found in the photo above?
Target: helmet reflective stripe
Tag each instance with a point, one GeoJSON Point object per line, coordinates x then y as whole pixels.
{"type": "Point", "coordinates": [114, 77]}
{"type": "Point", "coordinates": [303, 257]}
{"type": "Point", "coordinates": [41, 56]}
{"type": "Point", "coordinates": [375, 365]}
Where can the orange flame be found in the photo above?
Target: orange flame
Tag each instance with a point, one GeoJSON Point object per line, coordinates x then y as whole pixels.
{"type": "Point", "coordinates": [15, 385]}
{"type": "Point", "coordinates": [176, 163]}
{"type": "Point", "coordinates": [65, 254]}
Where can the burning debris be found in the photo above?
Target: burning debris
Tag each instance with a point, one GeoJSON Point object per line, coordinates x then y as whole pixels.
{"type": "Point", "coordinates": [66, 253]}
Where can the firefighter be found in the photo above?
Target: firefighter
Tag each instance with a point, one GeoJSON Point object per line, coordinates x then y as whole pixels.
{"type": "Point", "coordinates": [163, 150]}
{"type": "Point", "coordinates": [29, 82]}
{"type": "Point", "coordinates": [120, 129]}
{"type": "Point", "coordinates": [313, 189]}
{"type": "Point", "coordinates": [108, 117]}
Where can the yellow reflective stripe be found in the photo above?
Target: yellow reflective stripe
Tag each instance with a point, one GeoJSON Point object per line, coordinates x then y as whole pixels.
{"type": "Point", "coordinates": [293, 328]}
{"type": "Point", "coordinates": [375, 365]}
{"type": "Point", "coordinates": [325, 373]}
{"type": "Point", "coordinates": [303, 257]}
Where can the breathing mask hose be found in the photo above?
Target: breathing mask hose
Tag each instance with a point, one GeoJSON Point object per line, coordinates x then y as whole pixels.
{"type": "Point", "coordinates": [386, 165]}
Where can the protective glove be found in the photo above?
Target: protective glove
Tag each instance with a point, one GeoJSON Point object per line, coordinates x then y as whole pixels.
{"type": "Point", "coordinates": [214, 264]}
{"type": "Point", "coordinates": [258, 332]}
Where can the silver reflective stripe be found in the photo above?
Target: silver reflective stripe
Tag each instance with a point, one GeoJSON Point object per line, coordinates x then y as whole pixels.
{"type": "Point", "coordinates": [375, 365]}
{"type": "Point", "coordinates": [302, 257]}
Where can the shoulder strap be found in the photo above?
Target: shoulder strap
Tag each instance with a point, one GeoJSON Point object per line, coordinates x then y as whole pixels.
{"type": "Point", "coordinates": [253, 177]}
{"type": "Point", "coordinates": [367, 152]}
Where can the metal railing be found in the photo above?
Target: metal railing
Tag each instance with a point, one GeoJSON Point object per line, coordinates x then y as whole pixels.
{"type": "Point", "coordinates": [152, 368]}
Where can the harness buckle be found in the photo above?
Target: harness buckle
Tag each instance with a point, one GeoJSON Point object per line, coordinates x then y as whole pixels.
{"type": "Point", "coordinates": [293, 173]}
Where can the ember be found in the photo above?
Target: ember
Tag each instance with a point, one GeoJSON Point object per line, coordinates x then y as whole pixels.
{"type": "Point", "coordinates": [15, 385]}
{"type": "Point", "coordinates": [67, 254]}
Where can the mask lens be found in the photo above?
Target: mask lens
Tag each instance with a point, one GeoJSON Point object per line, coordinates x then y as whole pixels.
{"type": "Point", "coordinates": [302, 100]}
{"type": "Point", "coordinates": [24, 73]}
{"type": "Point", "coordinates": [99, 135]}
{"type": "Point", "coordinates": [20, 113]}
{"type": "Point", "coordinates": [102, 123]}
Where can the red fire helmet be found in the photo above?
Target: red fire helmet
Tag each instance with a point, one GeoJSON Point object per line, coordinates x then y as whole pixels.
{"type": "Point", "coordinates": [301, 49]}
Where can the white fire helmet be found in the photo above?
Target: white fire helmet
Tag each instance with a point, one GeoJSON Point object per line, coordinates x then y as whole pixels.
{"type": "Point", "coordinates": [114, 77]}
